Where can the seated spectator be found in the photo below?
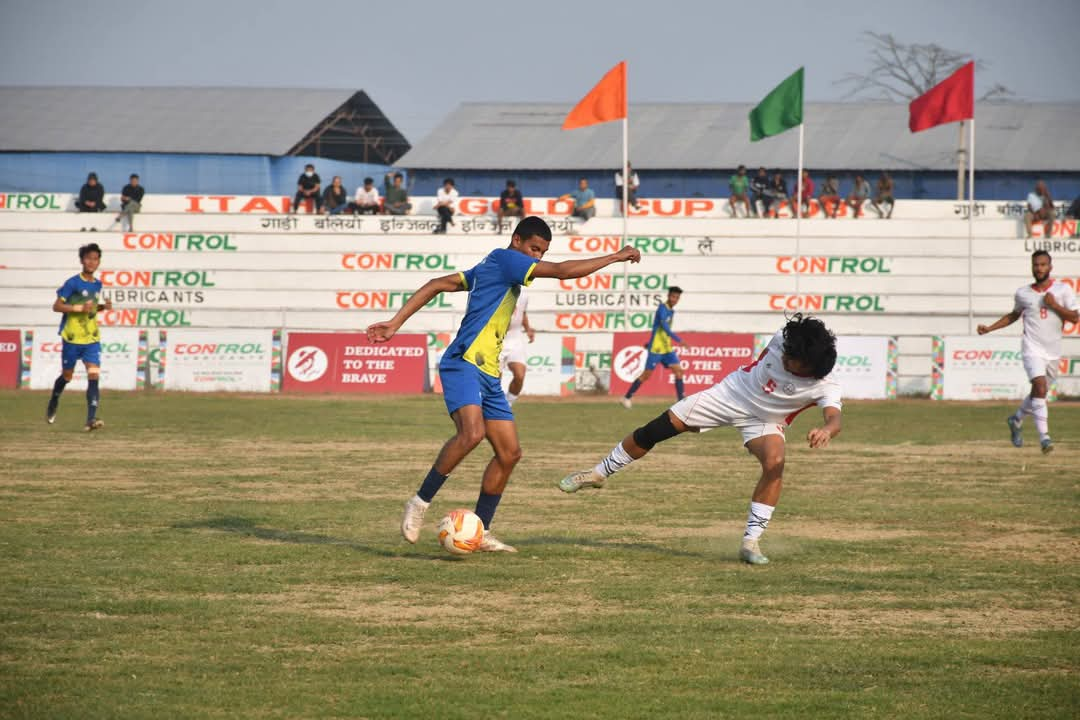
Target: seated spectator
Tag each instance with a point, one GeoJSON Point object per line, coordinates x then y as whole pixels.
{"type": "Point", "coordinates": [367, 199]}
{"type": "Point", "coordinates": [308, 188]}
{"type": "Point", "coordinates": [1040, 208]}
{"type": "Point", "coordinates": [584, 200]}
{"type": "Point", "coordinates": [884, 196]}
{"type": "Point", "coordinates": [739, 185]}
{"type": "Point", "coordinates": [1073, 213]}
{"type": "Point", "coordinates": [335, 199]}
{"type": "Point", "coordinates": [860, 191]}
{"type": "Point", "coordinates": [511, 204]}
{"type": "Point", "coordinates": [446, 204]}
{"type": "Point", "coordinates": [131, 196]}
{"type": "Point", "coordinates": [759, 186]}
{"type": "Point", "coordinates": [807, 188]}
{"type": "Point", "coordinates": [631, 189]}
{"type": "Point", "coordinates": [830, 197]}
{"type": "Point", "coordinates": [397, 197]}
{"type": "Point", "coordinates": [777, 194]}
{"type": "Point", "coordinates": [91, 195]}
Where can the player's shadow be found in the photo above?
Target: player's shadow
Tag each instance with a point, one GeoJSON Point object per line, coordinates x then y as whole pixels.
{"type": "Point", "coordinates": [248, 528]}
{"type": "Point", "coordinates": [642, 547]}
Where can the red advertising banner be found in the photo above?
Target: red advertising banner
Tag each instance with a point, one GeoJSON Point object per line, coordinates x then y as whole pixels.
{"type": "Point", "coordinates": [347, 362]}
{"type": "Point", "coordinates": [9, 358]}
{"type": "Point", "coordinates": [708, 358]}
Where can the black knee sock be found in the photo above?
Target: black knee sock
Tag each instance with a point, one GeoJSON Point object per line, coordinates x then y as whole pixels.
{"type": "Point", "coordinates": [92, 398]}
{"type": "Point", "coordinates": [58, 388]}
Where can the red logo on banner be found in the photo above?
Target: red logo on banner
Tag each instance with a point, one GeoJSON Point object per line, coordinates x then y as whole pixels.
{"type": "Point", "coordinates": [9, 358]}
{"type": "Point", "coordinates": [347, 362]}
{"type": "Point", "coordinates": [707, 360]}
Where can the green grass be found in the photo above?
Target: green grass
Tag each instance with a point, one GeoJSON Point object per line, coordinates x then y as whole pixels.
{"type": "Point", "coordinates": [235, 557]}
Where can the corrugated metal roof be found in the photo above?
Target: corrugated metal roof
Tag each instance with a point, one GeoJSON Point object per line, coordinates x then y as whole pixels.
{"type": "Point", "coordinates": [243, 121]}
{"type": "Point", "coordinates": [841, 136]}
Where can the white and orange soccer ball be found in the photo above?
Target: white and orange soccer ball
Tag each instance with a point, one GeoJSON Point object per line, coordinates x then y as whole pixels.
{"type": "Point", "coordinates": [461, 532]}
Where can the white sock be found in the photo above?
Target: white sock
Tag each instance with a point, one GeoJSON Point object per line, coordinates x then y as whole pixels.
{"type": "Point", "coordinates": [511, 397]}
{"type": "Point", "coordinates": [1024, 409]}
{"type": "Point", "coordinates": [1042, 417]}
{"type": "Point", "coordinates": [616, 461]}
{"type": "Point", "coordinates": [757, 520]}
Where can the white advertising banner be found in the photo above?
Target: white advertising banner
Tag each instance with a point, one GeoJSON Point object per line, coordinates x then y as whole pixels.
{"type": "Point", "coordinates": [864, 367]}
{"type": "Point", "coordinates": [219, 360]}
{"type": "Point", "coordinates": [982, 367]}
{"type": "Point", "coordinates": [119, 360]}
{"type": "Point", "coordinates": [546, 371]}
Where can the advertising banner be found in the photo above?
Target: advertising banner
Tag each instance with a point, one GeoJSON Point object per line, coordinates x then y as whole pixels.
{"type": "Point", "coordinates": [707, 360]}
{"type": "Point", "coordinates": [979, 367]}
{"type": "Point", "coordinates": [549, 366]}
{"type": "Point", "coordinates": [10, 358]}
{"type": "Point", "coordinates": [218, 360]}
{"type": "Point", "coordinates": [347, 362]}
{"type": "Point", "coordinates": [120, 360]}
{"type": "Point", "coordinates": [865, 366]}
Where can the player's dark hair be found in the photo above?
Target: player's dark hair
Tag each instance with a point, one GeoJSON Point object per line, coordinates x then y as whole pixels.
{"type": "Point", "coordinates": [1037, 253]}
{"type": "Point", "coordinates": [807, 340]}
{"type": "Point", "coordinates": [533, 225]}
{"type": "Point", "coordinates": [674, 289]}
{"type": "Point", "coordinates": [92, 247]}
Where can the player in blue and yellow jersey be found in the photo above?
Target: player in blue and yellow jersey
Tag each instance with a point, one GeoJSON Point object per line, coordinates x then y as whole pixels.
{"type": "Point", "coordinates": [470, 366]}
{"type": "Point", "coordinates": [79, 299]}
{"type": "Point", "coordinates": [660, 347]}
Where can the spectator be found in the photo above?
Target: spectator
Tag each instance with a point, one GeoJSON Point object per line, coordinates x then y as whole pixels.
{"type": "Point", "coordinates": [445, 204]}
{"type": "Point", "coordinates": [830, 197]}
{"type": "Point", "coordinates": [511, 204]}
{"type": "Point", "coordinates": [307, 188]}
{"type": "Point", "coordinates": [584, 200]}
{"type": "Point", "coordinates": [130, 202]}
{"type": "Point", "coordinates": [884, 196]}
{"type": "Point", "coordinates": [367, 199]}
{"type": "Point", "coordinates": [860, 191]}
{"type": "Point", "coordinates": [1040, 207]}
{"type": "Point", "coordinates": [759, 186]}
{"type": "Point", "coordinates": [631, 189]}
{"type": "Point", "coordinates": [335, 199]}
{"type": "Point", "coordinates": [397, 197]}
{"type": "Point", "coordinates": [807, 188]}
{"type": "Point", "coordinates": [740, 186]}
{"type": "Point", "coordinates": [777, 193]}
{"type": "Point", "coordinates": [91, 195]}
{"type": "Point", "coordinates": [1073, 213]}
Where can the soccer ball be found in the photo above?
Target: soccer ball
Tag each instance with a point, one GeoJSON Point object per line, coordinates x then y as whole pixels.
{"type": "Point", "coordinates": [461, 531]}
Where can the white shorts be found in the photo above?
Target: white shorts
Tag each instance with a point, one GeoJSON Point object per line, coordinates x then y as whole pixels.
{"type": "Point", "coordinates": [716, 407]}
{"type": "Point", "coordinates": [1036, 366]}
{"type": "Point", "coordinates": [513, 351]}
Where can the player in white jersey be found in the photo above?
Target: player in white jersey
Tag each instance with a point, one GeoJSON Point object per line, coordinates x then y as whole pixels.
{"type": "Point", "coordinates": [514, 356]}
{"type": "Point", "coordinates": [760, 400]}
{"type": "Point", "coordinates": [1045, 306]}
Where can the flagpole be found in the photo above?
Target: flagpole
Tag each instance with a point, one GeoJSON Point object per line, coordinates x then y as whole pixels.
{"type": "Point", "coordinates": [971, 224]}
{"type": "Point", "coordinates": [798, 211]}
{"type": "Point", "coordinates": [625, 214]}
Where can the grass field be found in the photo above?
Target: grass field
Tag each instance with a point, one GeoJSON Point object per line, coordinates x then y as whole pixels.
{"type": "Point", "coordinates": [239, 557]}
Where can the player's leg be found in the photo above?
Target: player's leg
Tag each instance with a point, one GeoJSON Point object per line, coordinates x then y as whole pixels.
{"type": "Point", "coordinates": [91, 357]}
{"type": "Point", "coordinates": [69, 356]}
{"type": "Point", "coordinates": [675, 367]}
{"type": "Point", "coordinates": [769, 450]}
{"type": "Point", "coordinates": [517, 371]}
{"type": "Point", "coordinates": [1040, 387]}
{"type": "Point", "coordinates": [651, 361]}
{"type": "Point", "coordinates": [501, 432]}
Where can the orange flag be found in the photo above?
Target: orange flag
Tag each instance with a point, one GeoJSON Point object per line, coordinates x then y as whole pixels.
{"type": "Point", "coordinates": [605, 102]}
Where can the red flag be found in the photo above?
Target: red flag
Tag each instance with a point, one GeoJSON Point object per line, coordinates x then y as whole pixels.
{"type": "Point", "coordinates": [605, 102]}
{"type": "Point", "coordinates": [950, 100]}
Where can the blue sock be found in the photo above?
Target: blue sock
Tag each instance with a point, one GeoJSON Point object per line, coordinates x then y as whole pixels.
{"type": "Point", "coordinates": [431, 485]}
{"type": "Point", "coordinates": [485, 507]}
{"type": "Point", "coordinates": [93, 395]}
{"type": "Point", "coordinates": [58, 387]}
{"type": "Point", "coordinates": [680, 388]}
{"type": "Point", "coordinates": [633, 389]}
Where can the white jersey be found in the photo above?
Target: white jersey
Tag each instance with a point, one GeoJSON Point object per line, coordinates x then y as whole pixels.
{"type": "Point", "coordinates": [515, 332]}
{"type": "Point", "coordinates": [765, 390]}
{"type": "Point", "coordinates": [1042, 326]}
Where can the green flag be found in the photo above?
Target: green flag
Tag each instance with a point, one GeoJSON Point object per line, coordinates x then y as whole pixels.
{"type": "Point", "coordinates": [780, 110]}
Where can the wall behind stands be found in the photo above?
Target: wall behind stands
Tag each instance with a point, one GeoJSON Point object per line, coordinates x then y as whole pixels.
{"type": "Point", "coordinates": [174, 173]}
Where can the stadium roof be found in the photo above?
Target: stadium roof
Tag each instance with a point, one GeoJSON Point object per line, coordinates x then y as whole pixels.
{"type": "Point", "coordinates": [683, 136]}
{"type": "Point", "coordinates": [336, 124]}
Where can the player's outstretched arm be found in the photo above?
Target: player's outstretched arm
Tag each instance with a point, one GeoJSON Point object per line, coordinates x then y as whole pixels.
{"type": "Point", "coordinates": [1003, 321]}
{"type": "Point", "coordinates": [580, 268]}
{"type": "Point", "coordinates": [820, 437]}
{"type": "Point", "coordinates": [383, 331]}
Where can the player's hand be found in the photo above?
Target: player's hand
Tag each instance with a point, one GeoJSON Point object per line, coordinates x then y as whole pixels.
{"type": "Point", "coordinates": [982, 329]}
{"type": "Point", "coordinates": [89, 307]}
{"type": "Point", "coordinates": [818, 437]}
{"type": "Point", "coordinates": [629, 253]}
{"type": "Point", "coordinates": [108, 304]}
{"type": "Point", "coordinates": [531, 333]}
{"type": "Point", "coordinates": [1050, 301]}
{"type": "Point", "coordinates": [380, 332]}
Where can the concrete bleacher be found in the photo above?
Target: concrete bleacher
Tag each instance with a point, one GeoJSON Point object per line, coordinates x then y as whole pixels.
{"type": "Point", "coordinates": [905, 277]}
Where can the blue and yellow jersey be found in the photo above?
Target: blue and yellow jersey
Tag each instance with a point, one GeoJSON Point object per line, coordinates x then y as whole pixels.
{"type": "Point", "coordinates": [79, 328]}
{"type": "Point", "coordinates": [662, 334]}
{"type": "Point", "coordinates": [494, 286]}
